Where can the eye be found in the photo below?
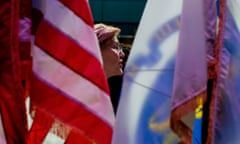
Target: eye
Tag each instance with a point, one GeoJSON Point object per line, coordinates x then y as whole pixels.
{"type": "Point", "coordinates": [117, 46]}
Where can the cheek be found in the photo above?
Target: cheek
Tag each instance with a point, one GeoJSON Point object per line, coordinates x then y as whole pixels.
{"type": "Point", "coordinates": [110, 56]}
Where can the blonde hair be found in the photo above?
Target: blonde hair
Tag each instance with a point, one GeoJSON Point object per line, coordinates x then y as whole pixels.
{"type": "Point", "coordinates": [105, 32]}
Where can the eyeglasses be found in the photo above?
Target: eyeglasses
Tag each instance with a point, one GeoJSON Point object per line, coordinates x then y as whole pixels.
{"type": "Point", "coordinates": [117, 46]}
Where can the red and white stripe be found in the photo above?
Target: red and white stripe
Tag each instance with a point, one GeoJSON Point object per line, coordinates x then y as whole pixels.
{"type": "Point", "coordinates": [69, 84]}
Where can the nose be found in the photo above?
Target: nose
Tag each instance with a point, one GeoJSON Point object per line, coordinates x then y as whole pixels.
{"type": "Point", "coordinates": [121, 53]}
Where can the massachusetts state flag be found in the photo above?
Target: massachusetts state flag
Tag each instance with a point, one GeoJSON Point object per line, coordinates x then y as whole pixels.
{"type": "Point", "coordinates": [226, 127]}
{"type": "Point", "coordinates": [165, 74]}
{"type": "Point", "coordinates": [143, 114]}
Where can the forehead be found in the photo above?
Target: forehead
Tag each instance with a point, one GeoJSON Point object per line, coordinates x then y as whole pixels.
{"type": "Point", "coordinates": [113, 40]}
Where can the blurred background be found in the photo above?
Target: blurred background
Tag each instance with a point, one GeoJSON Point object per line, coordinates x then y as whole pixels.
{"type": "Point", "coordinates": [124, 14]}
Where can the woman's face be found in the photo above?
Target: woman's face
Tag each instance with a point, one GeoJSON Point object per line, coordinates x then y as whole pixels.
{"type": "Point", "coordinates": [112, 56]}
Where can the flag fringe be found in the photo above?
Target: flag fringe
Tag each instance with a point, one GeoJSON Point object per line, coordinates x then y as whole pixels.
{"type": "Point", "coordinates": [215, 74]}
{"type": "Point", "coordinates": [178, 126]}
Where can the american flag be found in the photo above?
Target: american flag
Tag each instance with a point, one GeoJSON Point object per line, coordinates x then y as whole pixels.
{"type": "Point", "coordinates": [14, 54]}
{"type": "Point", "coordinates": [69, 93]}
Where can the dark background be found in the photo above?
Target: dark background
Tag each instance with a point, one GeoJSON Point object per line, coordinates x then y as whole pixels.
{"type": "Point", "coordinates": [124, 14]}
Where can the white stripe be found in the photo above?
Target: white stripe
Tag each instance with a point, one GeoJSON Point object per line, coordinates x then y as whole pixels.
{"type": "Point", "coordinates": [73, 26]}
{"type": "Point", "coordinates": [72, 84]}
{"type": "Point", "coordinates": [53, 139]}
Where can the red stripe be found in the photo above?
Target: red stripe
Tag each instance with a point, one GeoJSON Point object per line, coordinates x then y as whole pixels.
{"type": "Point", "coordinates": [42, 123]}
{"type": "Point", "coordinates": [70, 112]}
{"type": "Point", "coordinates": [81, 9]}
{"type": "Point", "coordinates": [71, 54]}
{"type": "Point", "coordinates": [75, 137]}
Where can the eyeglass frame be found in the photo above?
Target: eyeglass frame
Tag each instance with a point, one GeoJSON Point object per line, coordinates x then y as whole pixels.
{"type": "Point", "coordinates": [117, 46]}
